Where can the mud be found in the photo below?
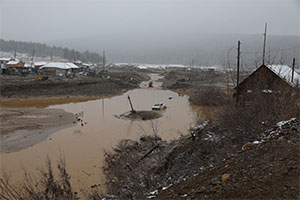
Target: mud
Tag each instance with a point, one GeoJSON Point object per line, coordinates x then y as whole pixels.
{"type": "Point", "coordinates": [106, 84]}
{"type": "Point", "coordinates": [140, 115]}
{"type": "Point", "coordinates": [25, 127]}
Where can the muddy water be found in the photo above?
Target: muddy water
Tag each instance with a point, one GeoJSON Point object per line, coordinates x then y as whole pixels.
{"type": "Point", "coordinates": [83, 145]}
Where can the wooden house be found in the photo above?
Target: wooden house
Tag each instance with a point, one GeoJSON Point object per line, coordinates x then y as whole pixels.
{"type": "Point", "coordinates": [59, 68]}
{"type": "Point", "coordinates": [16, 67]}
{"type": "Point", "coordinates": [269, 79]}
{"type": "Point", "coordinates": [38, 65]}
{"type": "Point", "coordinates": [5, 60]}
{"type": "Point", "coordinates": [15, 64]}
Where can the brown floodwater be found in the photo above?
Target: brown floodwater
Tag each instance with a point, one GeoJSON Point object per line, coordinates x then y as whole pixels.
{"type": "Point", "coordinates": [84, 146]}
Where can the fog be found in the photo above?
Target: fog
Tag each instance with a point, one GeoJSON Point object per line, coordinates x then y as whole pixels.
{"type": "Point", "coordinates": [153, 31]}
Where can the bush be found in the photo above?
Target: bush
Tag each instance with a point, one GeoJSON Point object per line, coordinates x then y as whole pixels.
{"type": "Point", "coordinates": [208, 96]}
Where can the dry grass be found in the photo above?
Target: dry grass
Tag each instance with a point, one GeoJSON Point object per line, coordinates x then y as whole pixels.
{"type": "Point", "coordinates": [46, 186]}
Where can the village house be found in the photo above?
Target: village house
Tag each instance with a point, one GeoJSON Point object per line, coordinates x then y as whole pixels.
{"type": "Point", "coordinates": [270, 79]}
{"type": "Point", "coordinates": [15, 64]}
{"type": "Point", "coordinates": [38, 65]}
{"type": "Point", "coordinates": [3, 62]}
{"type": "Point", "coordinates": [16, 67]}
{"type": "Point", "coordinates": [59, 69]}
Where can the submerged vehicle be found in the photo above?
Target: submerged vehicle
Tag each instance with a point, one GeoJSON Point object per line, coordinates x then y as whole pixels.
{"type": "Point", "coordinates": [159, 106]}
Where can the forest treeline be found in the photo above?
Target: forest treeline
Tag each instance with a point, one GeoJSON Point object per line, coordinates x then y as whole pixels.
{"type": "Point", "coordinates": [43, 50]}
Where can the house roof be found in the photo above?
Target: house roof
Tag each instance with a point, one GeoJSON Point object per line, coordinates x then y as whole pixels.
{"type": "Point", "coordinates": [40, 63]}
{"type": "Point", "coordinates": [13, 62]}
{"type": "Point", "coordinates": [60, 65]}
{"type": "Point", "coordinates": [5, 59]}
{"type": "Point", "coordinates": [285, 72]}
{"type": "Point", "coordinates": [27, 65]}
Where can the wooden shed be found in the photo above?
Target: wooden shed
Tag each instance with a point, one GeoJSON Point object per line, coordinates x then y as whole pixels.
{"type": "Point", "coordinates": [15, 64]}
{"type": "Point", "coordinates": [269, 79]}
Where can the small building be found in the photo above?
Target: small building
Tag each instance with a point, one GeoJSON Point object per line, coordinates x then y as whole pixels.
{"type": "Point", "coordinates": [38, 65]}
{"type": "Point", "coordinates": [269, 79]}
{"type": "Point", "coordinates": [15, 64]}
{"type": "Point", "coordinates": [5, 60]}
{"type": "Point", "coordinates": [16, 67]}
{"type": "Point", "coordinates": [59, 69]}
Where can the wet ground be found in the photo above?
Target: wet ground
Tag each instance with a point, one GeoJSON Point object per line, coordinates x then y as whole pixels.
{"type": "Point", "coordinates": [83, 145]}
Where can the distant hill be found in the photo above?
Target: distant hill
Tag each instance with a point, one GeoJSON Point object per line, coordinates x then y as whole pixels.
{"type": "Point", "coordinates": [182, 48]}
{"type": "Point", "coordinates": [43, 50]}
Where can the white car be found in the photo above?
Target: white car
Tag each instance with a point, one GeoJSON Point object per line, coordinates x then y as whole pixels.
{"type": "Point", "coordinates": [159, 106]}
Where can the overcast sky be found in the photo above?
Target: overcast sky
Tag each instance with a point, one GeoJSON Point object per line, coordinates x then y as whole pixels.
{"type": "Point", "coordinates": [50, 20]}
{"type": "Point", "coordinates": [156, 31]}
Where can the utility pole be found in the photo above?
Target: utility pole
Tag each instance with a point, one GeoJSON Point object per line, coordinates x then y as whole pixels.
{"type": "Point", "coordinates": [238, 73]}
{"type": "Point", "coordinates": [15, 53]}
{"type": "Point", "coordinates": [265, 41]}
{"type": "Point", "coordinates": [32, 58]}
{"type": "Point", "coordinates": [293, 69]}
{"type": "Point", "coordinates": [103, 60]}
{"type": "Point", "coordinates": [51, 56]}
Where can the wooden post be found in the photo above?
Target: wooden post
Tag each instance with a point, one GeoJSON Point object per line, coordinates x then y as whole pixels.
{"type": "Point", "coordinates": [132, 110]}
{"type": "Point", "coordinates": [264, 47]}
{"type": "Point", "coordinates": [293, 69]}
{"type": "Point", "coordinates": [238, 73]}
{"type": "Point", "coordinates": [15, 53]}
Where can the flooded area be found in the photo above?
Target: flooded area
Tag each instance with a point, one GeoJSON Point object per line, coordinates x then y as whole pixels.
{"type": "Point", "coordinates": [83, 144]}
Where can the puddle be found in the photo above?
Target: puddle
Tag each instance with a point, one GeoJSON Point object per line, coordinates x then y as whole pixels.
{"type": "Point", "coordinates": [83, 145]}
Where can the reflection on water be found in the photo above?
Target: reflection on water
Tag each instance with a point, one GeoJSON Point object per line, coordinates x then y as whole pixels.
{"type": "Point", "coordinates": [83, 145]}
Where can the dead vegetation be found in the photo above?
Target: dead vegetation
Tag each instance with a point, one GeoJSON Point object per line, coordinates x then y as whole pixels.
{"type": "Point", "coordinates": [46, 186]}
{"type": "Point", "coordinates": [208, 96]}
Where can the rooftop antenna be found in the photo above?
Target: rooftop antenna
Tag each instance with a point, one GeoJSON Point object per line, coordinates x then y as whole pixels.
{"type": "Point", "coordinates": [264, 47]}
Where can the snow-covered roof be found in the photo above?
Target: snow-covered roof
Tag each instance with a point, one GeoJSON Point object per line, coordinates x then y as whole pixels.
{"type": "Point", "coordinates": [5, 59]}
{"type": "Point", "coordinates": [27, 65]}
{"type": "Point", "coordinates": [285, 72]}
{"type": "Point", "coordinates": [87, 64]}
{"type": "Point", "coordinates": [40, 63]}
{"type": "Point", "coordinates": [60, 65]}
{"type": "Point", "coordinates": [13, 62]}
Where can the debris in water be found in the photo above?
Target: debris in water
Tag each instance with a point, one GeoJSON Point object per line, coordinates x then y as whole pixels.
{"type": "Point", "coordinates": [140, 115]}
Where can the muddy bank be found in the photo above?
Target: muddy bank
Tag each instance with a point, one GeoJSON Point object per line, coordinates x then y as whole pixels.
{"type": "Point", "coordinates": [261, 170]}
{"type": "Point", "coordinates": [25, 127]}
{"type": "Point", "coordinates": [185, 81]}
{"type": "Point", "coordinates": [208, 159]}
{"type": "Point", "coordinates": [106, 84]}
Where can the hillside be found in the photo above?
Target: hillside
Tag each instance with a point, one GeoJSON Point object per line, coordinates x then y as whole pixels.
{"type": "Point", "coordinates": [44, 50]}
{"type": "Point", "coordinates": [268, 170]}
